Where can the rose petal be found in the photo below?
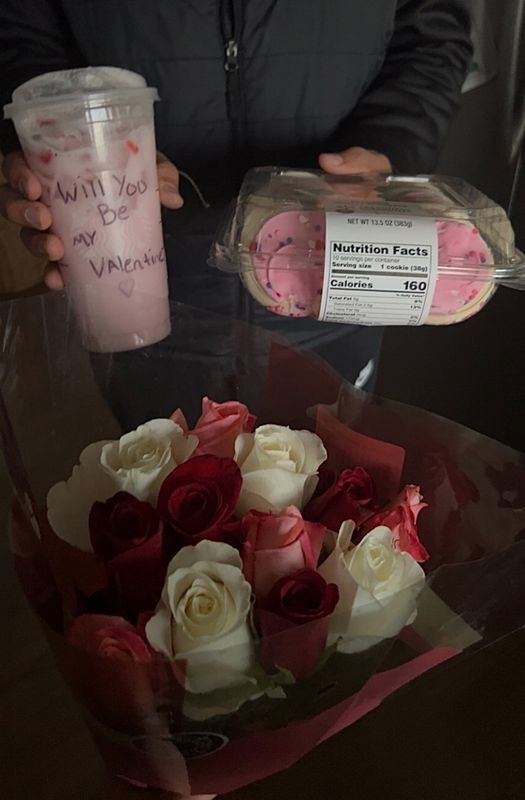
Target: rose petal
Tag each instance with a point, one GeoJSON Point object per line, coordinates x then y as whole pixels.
{"type": "Point", "coordinates": [205, 551]}
{"type": "Point", "coordinates": [200, 707]}
{"type": "Point", "coordinates": [315, 451]}
{"type": "Point", "coordinates": [69, 502]}
{"type": "Point", "coordinates": [158, 632]}
{"type": "Point", "coordinates": [221, 667]}
{"type": "Point", "coordinates": [273, 489]}
{"type": "Point", "coordinates": [138, 576]}
{"type": "Point", "coordinates": [179, 419]}
{"type": "Point", "coordinates": [373, 620]}
{"type": "Point", "coordinates": [296, 649]}
{"type": "Point", "coordinates": [401, 517]}
{"type": "Point", "coordinates": [243, 445]}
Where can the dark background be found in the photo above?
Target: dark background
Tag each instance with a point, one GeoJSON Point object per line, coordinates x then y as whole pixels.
{"type": "Point", "coordinates": [456, 733]}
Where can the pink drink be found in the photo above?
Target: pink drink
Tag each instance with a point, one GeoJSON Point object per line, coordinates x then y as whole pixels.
{"type": "Point", "coordinates": [89, 136]}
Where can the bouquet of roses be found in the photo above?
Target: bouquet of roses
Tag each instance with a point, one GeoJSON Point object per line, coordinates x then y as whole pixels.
{"type": "Point", "coordinates": [223, 589]}
{"type": "Point", "coordinates": [228, 550]}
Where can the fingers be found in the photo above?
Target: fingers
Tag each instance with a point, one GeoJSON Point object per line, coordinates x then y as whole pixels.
{"type": "Point", "coordinates": [44, 244]}
{"type": "Point", "coordinates": [168, 183]}
{"type": "Point", "coordinates": [355, 161]}
{"type": "Point", "coordinates": [16, 208]}
{"type": "Point", "coordinates": [20, 177]}
{"type": "Point", "coordinates": [19, 203]}
{"type": "Point", "coordinates": [53, 279]}
{"type": "Point", "coordinates": [331, 162]}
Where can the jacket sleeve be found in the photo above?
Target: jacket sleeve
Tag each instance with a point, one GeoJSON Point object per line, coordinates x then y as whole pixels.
{"type": "Point", "coordinates": [34, 38]}
{"type": "Point", "coordinates": [406, 111]}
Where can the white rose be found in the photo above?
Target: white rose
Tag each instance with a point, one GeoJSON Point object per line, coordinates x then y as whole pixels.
{"type": "Point", "coordinates": [378, 588]}
{"type": "Point", "coordinates": [279, 467]}
{"type": "Point", "coordinates": [202, 621]}
{"type": "Point", "coordinates": [139, 461]}
{"type": "Point", "coordinates": [69, 502]}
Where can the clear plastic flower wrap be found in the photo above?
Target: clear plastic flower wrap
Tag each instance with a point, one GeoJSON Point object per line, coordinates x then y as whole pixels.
{"type": "Point", "coordinates": [207, 656]}
{"type": "Point", "coordinates": [368, 249]}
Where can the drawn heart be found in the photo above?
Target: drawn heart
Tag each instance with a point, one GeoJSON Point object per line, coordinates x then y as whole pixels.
{"type": "Point", "coordinates": [127, 286]}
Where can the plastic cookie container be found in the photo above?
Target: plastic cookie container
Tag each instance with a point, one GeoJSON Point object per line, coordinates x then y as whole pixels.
{"type": "Point", "coordinates": [368, 250]}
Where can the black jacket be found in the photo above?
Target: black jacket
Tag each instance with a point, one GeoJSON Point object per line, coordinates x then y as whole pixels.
{"type": "Point", "coordinates": [251, 82]}
{"type": "Point", "coordinates": [309, 75]}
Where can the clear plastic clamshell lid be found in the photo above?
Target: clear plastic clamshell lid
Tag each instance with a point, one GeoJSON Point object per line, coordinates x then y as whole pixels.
{"type": "Point", "coordinates": [91, 85]}
{"type": "Point", "coordinates": [276, 233]}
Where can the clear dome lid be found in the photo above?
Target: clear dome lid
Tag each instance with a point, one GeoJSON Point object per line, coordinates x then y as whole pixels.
{"type": "Point", "coordinates": [91, 85]}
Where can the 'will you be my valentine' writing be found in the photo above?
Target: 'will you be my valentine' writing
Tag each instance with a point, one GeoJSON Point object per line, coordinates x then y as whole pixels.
{"type": "Point", "coordinates": [110, 196]}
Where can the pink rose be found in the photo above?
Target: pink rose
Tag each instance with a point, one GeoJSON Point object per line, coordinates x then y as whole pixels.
{"type": "Point", "coordinates": [350, 495]}
{"type": "Point", "coordinates": [218, 426]}
{"type": "Point", "coordinates": [401, 517]}
{"type": "Point", "coordinates": [113, 671]}
{"type": "Point", "coordinates": [275, 545]}
{"type": "Point", "coordinates": [109, 637]}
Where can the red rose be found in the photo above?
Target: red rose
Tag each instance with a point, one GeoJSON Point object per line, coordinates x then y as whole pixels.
{"type": "Point", "coordinates": [349, 497]}
{"type": "Point", "coordinates": [121, 524]}
{"type": "Point", "coordinates": [126, 535]}
{"type": "Point", "coordinates": [292, 621]}
{"type": "Point", "coordinates": [401, 517]}
{"type": "Point", "coordinates": [197, 501]}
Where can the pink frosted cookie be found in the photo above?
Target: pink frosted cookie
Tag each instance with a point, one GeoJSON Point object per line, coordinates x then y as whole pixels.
{"type": "Point", "coordinates": [456, 297]}
{"type": "Point", "coordinates": [287, 260]}
{"type": "Point", "coordinates": [292, 281]}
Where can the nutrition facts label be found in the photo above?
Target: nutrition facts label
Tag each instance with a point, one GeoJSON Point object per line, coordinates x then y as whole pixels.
{"type": "Point", "coordinates": [379, 270]}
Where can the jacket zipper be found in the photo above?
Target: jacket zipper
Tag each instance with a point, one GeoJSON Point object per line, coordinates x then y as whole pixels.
{"type": "Point", "coordinates": [231, 17]}
{"type": "Point", "coordinates": [231, 21]}
{"type": "Point", "coordinates": [232, 56]}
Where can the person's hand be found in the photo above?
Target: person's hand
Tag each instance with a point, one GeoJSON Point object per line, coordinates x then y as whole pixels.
{"type": "Point", "coordinates": [168, 183]}
{"type": "Point", "coordinates": [20, 202]}
{"type": "Point", "coordinates": [355, 161]}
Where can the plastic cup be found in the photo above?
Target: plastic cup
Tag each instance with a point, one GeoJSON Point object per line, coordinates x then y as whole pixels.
{"type": "Point", "coordinates": [88, 134]}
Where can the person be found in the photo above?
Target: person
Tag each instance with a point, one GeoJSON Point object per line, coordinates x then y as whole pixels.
{"type": "Point", "coordinates": [346, 85]}
{"type": "Point", "coordinates": [351, 86]}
